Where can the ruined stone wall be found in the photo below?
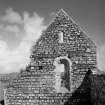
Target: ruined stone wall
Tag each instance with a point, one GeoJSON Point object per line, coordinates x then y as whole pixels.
{"type": "Point", "coordinates": [35, 85]}
{"type": "Point", "coordinates": [33, 88]}
{"type": "Point", "coordinates": [76, 46]}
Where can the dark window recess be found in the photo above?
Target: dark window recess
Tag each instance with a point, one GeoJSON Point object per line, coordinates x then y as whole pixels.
{"type": "Point", "coordinates": [40, 67]}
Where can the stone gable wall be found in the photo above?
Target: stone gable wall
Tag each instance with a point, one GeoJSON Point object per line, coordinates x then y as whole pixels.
{"type": "Point", "coordinates": [35, 85]}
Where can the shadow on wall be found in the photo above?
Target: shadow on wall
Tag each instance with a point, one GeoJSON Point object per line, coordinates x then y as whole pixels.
{"type": "Point", "coordinates": [82, 96]}
{"type": "Point", "coordinates": [98, 89]}
{"type": "Point", "coordinates": [2, 102]}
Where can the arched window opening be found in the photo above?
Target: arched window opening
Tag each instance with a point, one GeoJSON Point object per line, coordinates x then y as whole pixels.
{"type": "Point", "coordinates": [65, 77]}
{"type": "Point", "coordinates": [62, 77]}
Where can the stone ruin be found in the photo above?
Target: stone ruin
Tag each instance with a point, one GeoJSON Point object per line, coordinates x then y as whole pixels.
{"type": "Point", "coordinates": [59, 61]}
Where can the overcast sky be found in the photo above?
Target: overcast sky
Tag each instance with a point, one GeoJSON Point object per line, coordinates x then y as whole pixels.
{"type": "Point", "coordinates": [21, 23]}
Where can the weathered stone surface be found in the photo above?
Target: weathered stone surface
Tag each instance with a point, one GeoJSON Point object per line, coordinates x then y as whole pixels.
{"type": "Point", "coordinates": [62, 41]}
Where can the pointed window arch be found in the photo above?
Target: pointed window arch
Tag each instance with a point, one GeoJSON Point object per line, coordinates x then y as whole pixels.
{"type": "Point", "coordinates": [65, 77]}
{"type": "Point", "coordinates": [62, 70]}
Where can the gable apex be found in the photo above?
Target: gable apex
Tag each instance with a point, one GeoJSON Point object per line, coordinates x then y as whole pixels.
{"type": "Point", "coordinates": [62, 12]}
{"type": "Point", "coordinates": [62, 22]}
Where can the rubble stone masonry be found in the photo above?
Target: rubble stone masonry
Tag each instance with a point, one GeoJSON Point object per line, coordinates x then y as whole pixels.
{"type": "Point", "coordinates": [59, 61]}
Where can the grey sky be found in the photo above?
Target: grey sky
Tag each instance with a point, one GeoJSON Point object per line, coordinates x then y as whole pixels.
{"type": "Point", "coordinates": [89, 14]}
